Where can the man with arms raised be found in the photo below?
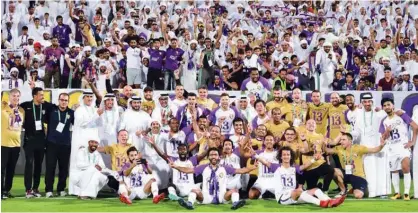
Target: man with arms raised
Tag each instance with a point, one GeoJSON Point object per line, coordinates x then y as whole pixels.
{"type": "Point", "coordinates": [86, 119]}
{"type": "Point", "coordinates": [395, 129]}
{"type": "Point", "coordinates": [185, 112]}
{"type": "Point", "coordinates": [224, 115]}
{"type": "Point", "coordinates": [214, 182]}
{"type": "Point", "coordinates": [318, 111]}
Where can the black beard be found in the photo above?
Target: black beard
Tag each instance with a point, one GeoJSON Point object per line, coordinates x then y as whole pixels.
{"type": "Point", "coordinates": [182, 157]}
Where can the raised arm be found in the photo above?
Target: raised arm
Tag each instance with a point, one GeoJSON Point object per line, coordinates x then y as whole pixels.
{"type": "Point", "coordinates": [163, 155]}
{"type": "Point", "coordinates": [187, 170]}
{"type": "Point", "coordinates": [246, 170]}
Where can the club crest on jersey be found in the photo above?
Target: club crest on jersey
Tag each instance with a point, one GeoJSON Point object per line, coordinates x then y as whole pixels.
{"type": "Point", "coordinates": [231, 116]}
{"type": "Point", "coordinates": [221, 175]}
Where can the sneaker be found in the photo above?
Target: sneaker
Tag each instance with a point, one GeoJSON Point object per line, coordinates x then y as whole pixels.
{"type": "Point", "coordinates": [158, 198]}
{"type": "Point", "coordinates": [324, 203]}
{"type": "Point", "coordinates": [63, 193]}
{"type": "Point", "coordinates": [173, 197]}
{"type": "Point", "coordinates": [186, 204]}
{"type": "Point", "coordinates": [29, 194]}
{"type": "Point", "coordinates": [4, 196]}
{"type": "Point", "coordinates": [36, 193]}
{"type": "Point", "coordinates": [238, 204]}
{"type": "Point", "coordinates": [395, 196]}
{"type": "Point", "coordinates": [9, 195]}
{"type": "Point", "coordinates": [336, 202]}
{"type": "Point", "coordinates": [406, 197]}
{"type": "Point", "coordinates": [125, 199]}
{"type": "Point", "coordinates": [49, 195]}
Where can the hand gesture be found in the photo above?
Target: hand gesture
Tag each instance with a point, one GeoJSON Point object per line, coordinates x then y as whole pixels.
{"type": "Point", "coordinates": [303, 137]}
{"type": "Point", "coordinates": [317, 155]}
{"type": "Point", "coordinates": [100, 111]}
{"type": "Point", "coordinates": [221, 120]}
{"type": "Point", "coordinates": [139, 133]}
{"type": "Point", "coordinates": [409, 145]}
{"type": "Point", "coordinates": [151, 140]}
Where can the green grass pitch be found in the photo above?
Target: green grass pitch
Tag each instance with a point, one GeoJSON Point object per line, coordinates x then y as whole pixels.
{"type": "Point", "coordinates": [71, 204]}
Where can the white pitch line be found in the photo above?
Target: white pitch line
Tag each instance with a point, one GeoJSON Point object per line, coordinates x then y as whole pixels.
{"type": "Point", "coordinates": [115, 198]}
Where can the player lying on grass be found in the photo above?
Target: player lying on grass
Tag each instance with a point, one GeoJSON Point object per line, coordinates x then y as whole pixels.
{"type": "Point", "coordinates": [351, 158]}
{"type": "Point", "coordinates": [214, 182]}
{"type": "Point", "coordinates": [138, 180]}
{"type": "Point", "coordinates": [287, 190]}
{"type": "Point", "coordinates": [182, 183]}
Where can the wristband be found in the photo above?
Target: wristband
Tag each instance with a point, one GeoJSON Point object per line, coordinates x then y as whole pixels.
{"type": "Point", "coordinates": [256, 156]}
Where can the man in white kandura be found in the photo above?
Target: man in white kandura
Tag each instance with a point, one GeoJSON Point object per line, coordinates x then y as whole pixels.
{"type": "Point", "coordinates": [90, 173]}
{"type": "Point", "coordinates": [108, 124]}
{"type": "Point", "coordinates": [366, 130]}
{"type": "Point", "coordinates": [135, 121]}
{"type": "Point", "coordinates": [415, 156]}
{"type": "Point", "coordinates": [86, 119]}
{"type": "Point", "coordinates": [399, 145]}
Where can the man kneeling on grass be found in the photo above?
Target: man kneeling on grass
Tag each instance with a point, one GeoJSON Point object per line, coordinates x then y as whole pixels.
{"type": "Point", "coordinates": [91, 173]}
{"type": "Point", "coordinates": [138, 180]}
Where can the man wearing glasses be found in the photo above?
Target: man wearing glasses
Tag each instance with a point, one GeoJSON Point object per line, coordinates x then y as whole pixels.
{"type": "Point", "coordinates": [58, 145]}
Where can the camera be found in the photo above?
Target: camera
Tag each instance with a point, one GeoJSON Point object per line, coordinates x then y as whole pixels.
{"type": "Point", "coordinates": [141, 161]}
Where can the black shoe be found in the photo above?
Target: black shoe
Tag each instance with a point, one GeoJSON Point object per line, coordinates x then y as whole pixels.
{"type": "Point", "coordinates": [186, 204]}
{"type": "Point", "coordinates": [238, 204]}
{"type": "Point", "coordinates": [3, 196]}
{"type": "Point", "coordinates": [320, 186]}
{"type": "Point", "coordinates": [336, 190]}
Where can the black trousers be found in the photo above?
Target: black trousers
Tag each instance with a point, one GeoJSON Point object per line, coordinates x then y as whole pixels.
{"type": "Point", "coordinates": [312, 176]}
{"type": "Point", "coordinates": [113, 183]}
{"type": "Point", "coordinates": [155, 77]}
{"type": "Point", "coordinates": [57, 153]}
{"type": "Point", "coordinates": [34, 155]}
{"type": "Point", "coordinates": [9, 157]}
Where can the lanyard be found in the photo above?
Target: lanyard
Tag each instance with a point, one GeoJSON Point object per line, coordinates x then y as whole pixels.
{"type": "Point", "coordinates": [59, 116]}
{"type": "Point", "coordinates": [88, 155]}
{"type": "Point", "coordinates": [34, 111]}
{"type": "Point", "coordinates": [350, 158]}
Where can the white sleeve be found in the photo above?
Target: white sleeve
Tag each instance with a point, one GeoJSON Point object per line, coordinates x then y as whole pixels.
{"type": "Point", "coordinates": [82, 161]}
{"type": "Point", "coordinates": [85, 120]}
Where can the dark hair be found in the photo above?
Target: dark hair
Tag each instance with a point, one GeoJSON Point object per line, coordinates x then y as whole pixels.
{"type": "Point", "coordinates": [259, 101]}
{"type": "Point", "coordinates": [24, 28]}
{"type": "Point", "coordinates": [147, 89]}
{"type": "Point", "coordinates": [384, 100]}
{"type": "Point", "coordinates": [228, 140]}
{"type": "Point", "coordinates": [171, 120]}
{"type": "Point", "coordinates": [36, 90]}
{"type": "Point", "coordinates": [415, 77]}
{"type": "Point", "coordinates": [58, 17]}
{"type": "Point", "coordinates": [277, 88]}
{"type": "Point", "coordinates": [63, 94]}
{"type": "Point", "coordinates": [213, 149]}
{"type": "Point", "coordinates": [237, 119]}
{"type": "Point", "coordinates": [202, 117]}
{"type": "Point", "coordinates": [288, 128]}
{"type": "Point", "coordinates": [131, 149]}
{"type": "Point", "coordinates": [203, 87]}
{"type": "Point", "coordinates": [191, 94]}
{"type": "Point", "coordinates": [349, 95]}
{"type": "Point", "coordinates": [349, 136]}
{"type": "Point", "coordinates": [224, 94]}
{"type": "Point", "coordinates": [123, 130]}
{"type": "Point", "coordinates": [349, 74]}
{"type": "Point", "coordinates": [292, 154]}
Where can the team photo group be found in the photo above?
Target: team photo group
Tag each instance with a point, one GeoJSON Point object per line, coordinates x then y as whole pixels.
{"type": "Point", "coordinates": [210, 102]}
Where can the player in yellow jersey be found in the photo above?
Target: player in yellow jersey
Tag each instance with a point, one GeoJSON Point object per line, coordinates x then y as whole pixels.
{"type": "Point", "coordinates": [118, 155]}
{"type": "Point", "coordinates": [320, 168]}
{"type": "Point", "coordinates": [277, 125]}
{"type": "Point", "coordinates": [351, 156]}
{"type": "Point", "coordinates": [12, 117]}
{"type": "Point", "coordinates": [278, 100]}
{"type": "Point", "coordinates": [337, 116]}
{"type": "Point", "coordinates": [203, 99]}
{"type": "Point", "coordinates": [291, 139]}
{"type": "Point", "coordinates": [296, 112]}
{"type": "Point", "coordinates": [318, 111]}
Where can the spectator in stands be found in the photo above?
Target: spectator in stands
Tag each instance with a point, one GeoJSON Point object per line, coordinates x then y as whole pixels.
{"type": "Point", "coordinates": [415, 82]}
{"type": "Point", "coordinates": [404, 84]}
{"type": "Point", "coordinates": [386, 83]}
{"type": "Point", "coordinates": [52, 60]}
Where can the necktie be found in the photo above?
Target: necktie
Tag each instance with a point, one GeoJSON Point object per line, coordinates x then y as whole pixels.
{"type": "Point", "coordinates": [9, 35]}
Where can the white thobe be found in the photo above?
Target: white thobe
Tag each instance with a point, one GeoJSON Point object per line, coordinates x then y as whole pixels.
{"type": "Point", "coordinates": [156, 163]}
{"type": "Point", "coordinates": [108, 127]}
{"type": "Point", "coordinates": [87, 179]}
{"type": "Point", "coordinates": [85, 126]}
{"type": "Point", "coordinates": [132, 121]}
{"type": "Point", "coordinates": [158, 111]}
{"type": "Point", "coordinates": [415, 156]}
{"type": "Point", "coordinates": [327, 69]}
{"type": "Point", "coordinates": [376, 166]}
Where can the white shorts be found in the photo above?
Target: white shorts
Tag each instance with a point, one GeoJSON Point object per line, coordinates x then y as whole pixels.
{"type": "Point", "coordinates": [285, 198]}
{"type": "Point", "coordinates": [184, 191]}
{"type": "Point", "coordinates": [138, 192]}
{"type": "Point", "coordinates": [207, 198]}
{"type": "Point", "coordinates": [263, 186]}
{"type": "Point", "coordinates": [133, 76]}
{"type": "Point", "coordinates": [234, 183]}
{"type": "Point", "coordinates": [395, 159]}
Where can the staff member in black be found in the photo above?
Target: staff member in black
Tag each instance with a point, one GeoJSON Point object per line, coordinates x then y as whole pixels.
{"type": "Point", "coordinates": [34, 141]}
{"type": "Point", "coordinates": [58, 145]}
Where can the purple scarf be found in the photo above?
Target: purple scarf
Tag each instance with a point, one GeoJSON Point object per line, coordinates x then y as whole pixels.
{"type": "Point", "coordinates": [17, 116]}
{"type": "Point", "coordinates": [11, 82]}
{"type": "Point", "coordinates": [214, 185]}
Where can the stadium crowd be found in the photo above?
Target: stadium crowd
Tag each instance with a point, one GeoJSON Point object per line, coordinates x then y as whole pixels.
{"type": "Point", "coordinates": [269, 142]}
{"type": "Point", "coordinates": [327, 45]}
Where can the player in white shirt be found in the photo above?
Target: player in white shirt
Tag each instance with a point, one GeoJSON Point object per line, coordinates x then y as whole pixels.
{"type": "Point", "coordinates": [214, 182]}
{"type": "Point", "coordinates": [231, 158]}
{"type": "Point", "coordinates": [287, 189]}
{"type": "Point", "coordinates": [256, 85]}
{"type": "Point", "coordinates": [399, 145]}
{"type": "Point", "coordinates": [224, 115]}
{"type": "Point", "coordinates": [173, 138]}
{"type": "Point", "coordinates": [133, 62]}
{"type": "Point", "coordinates": [265, 174]}
{"type": "Point", "coordinates": [352, 111]}
{"type": "Point", "coordinates": [138, 180]}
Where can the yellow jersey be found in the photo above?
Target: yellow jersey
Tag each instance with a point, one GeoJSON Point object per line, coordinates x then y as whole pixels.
{"type": "Point", "coordinates": [277, 129]}
{"type": "Point", "coordinates": [320, 115]}
{"type": "Point", "coordinates": [296, 146]}
{"type": "Point", "coordinates": [337, 117]}
{"type": "Point", "coordinates": [352, 156]}
{"type": "Point", "coordinates": [256, 144]}
{"type": "Point", "coordinates": [118, 155]}
{"type": "Point", "coordinates": [208, 103]}
{"type": "Point", "coordinates": [315, 143]}
{"type": "Point", "coordinates": [279, 104]}
{"type": "Point", "coordinates": [11, 126]}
